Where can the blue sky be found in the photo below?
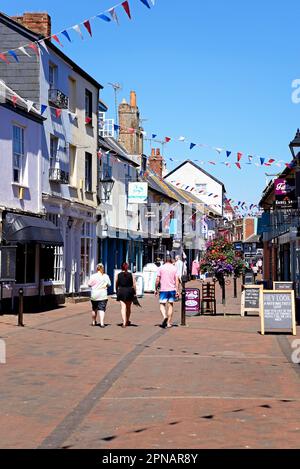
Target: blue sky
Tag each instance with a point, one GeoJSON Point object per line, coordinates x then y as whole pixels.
{"type": "Point", "coordinates": [216, 72]}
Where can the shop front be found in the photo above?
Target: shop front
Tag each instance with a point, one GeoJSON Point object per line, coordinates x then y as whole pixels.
{"type": "Point", "coordinates": [36, 241]}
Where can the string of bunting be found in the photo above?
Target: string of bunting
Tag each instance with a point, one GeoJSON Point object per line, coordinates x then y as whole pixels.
{"type": "Point", "coordinates": [39, 46]}
{"type": "Point", "coordinates": [248, 159]}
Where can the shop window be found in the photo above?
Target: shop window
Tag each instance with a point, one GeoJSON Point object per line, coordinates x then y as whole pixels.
{"type": "Point", "coordinates": [26, 255]}
{"type": "Point", "coordinates": [51, 264]}
{"type": "Point", "coordinates": [86, 252]}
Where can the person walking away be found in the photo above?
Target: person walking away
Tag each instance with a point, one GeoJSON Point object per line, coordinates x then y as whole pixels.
{"type": "Point", "coordinates": [179, 267]}
{"type": "Point", "coordinates": [126, 291]}
{"type": "Point", "coordinates": [99, 283]}
{"type": "Point", "coordinates": [255, 271]}
{"type": "Point", "coordinates": [168, 281]}
{"type": "Point", "coordinates": [195, 269]}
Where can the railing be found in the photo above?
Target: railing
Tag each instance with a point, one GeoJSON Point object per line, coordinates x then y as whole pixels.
{"type": "Point", "coordinates": [57, 175]}
{"type": "Point", "coordinates": [58, 98]}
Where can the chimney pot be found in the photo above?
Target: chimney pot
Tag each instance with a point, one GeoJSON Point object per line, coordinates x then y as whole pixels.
{"type": "Point", "coordinates": [133, 99]}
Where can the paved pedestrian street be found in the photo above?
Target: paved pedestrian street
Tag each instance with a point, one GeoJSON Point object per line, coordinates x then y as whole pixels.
{"type": "Point", "coordinates": [216, 383]}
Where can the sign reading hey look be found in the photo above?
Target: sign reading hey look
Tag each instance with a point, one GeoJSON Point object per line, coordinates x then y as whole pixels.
{"type": "Point", "coordinates": [137, 192]}
{"type": "Point", "coordinates": [277, 311]}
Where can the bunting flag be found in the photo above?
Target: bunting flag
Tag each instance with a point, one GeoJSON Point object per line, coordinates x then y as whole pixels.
{"type": "Point", "coordinates": [167, 139]}
{"type": "Point", "coordinates": [114, 16]}
{"type": "Point", "coordinates": [15, 100]}
{"type": "Point", "coordinates": [87, 25]}
{"type": "Point", "coordinates": [57, 40]}
{"type": "Point", "coordinates": [43, 44]}
{"type": "Point", "coordinates": [88, 120]}
{"type": "Point", "coordinates": [66, 34]}
{"type": "Point", "coordinates": [181, 139]}
{"type": "Point", "coordinates": [34, 47]}
{"type": "Point", "coordinates": [154, 135]}
{"type": "Point", "coordinates": [228, 153]}
{"type": "Point", "coordinates": [126, 7]}
{"type": "Point", "coordinates": [116, 127]}
{"type": "Point", "coordinates": [262, 160]}
{"type": "Point", "coordinates": [29, 105]}
{"type": "Point", "coordinates": [22, 49]}
{"type": "Point", "coordinates": [219, 150]}
{"type": "Point", "coordinates": [43, 108]}
{"type": "Point", "coordinates": [78, 30]}
{"type": "Point", "coordinates": [145, 2]}
{"type": "Point", "coordinates": [104, 18]}
{"type": "Point", "coordinates": [4, 58]}
{"type": "Point", "coordinates": [58, 113]}
{"type": "Point", "coordinates": [14, 55]}
{"type": "Point", "coordinates": [238, 165]}
{"type": "Point", "coordinates": [239, 156]}
{"type": "Point", "coordinates": [192, 145]}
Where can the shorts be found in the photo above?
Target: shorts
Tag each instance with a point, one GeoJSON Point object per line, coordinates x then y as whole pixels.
{"type": "Point", "coordinates": [167, 297]}
{"type": "Point", "coordinates": [99, 305]}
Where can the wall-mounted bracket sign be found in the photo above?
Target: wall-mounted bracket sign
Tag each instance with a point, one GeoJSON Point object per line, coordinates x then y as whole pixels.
{"type": "Point", "coordinates": [283, 285]}
{"type": "Point", "coordinates": [251, 299]}
{"type": "Point", "coordinates": [277, 311]}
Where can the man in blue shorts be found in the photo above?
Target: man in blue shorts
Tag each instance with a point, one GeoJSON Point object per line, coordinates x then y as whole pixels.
{"type": "Point", "coordinates": [168, 281]}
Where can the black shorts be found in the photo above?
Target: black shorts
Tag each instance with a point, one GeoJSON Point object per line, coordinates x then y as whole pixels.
{"type": "Point", "coordinates": [99, 305]}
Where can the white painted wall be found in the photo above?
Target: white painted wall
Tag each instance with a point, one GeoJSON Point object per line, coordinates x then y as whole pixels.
{"type": "Point", "coordinates": [9, 191]}
{"type": "Point", "coordinates": [189, 175]}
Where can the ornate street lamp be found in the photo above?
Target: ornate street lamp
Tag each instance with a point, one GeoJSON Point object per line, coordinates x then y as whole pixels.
{"type": "Point", "coordinates": [295, 145]}
{"type": "Point", "coordinates": [107, 184]}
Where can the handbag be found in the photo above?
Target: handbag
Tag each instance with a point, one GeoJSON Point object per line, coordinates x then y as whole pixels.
{"type": "Point", "coordinates": [136, 301]}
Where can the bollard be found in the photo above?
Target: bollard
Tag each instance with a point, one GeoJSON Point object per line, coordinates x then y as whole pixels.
{"type": "Point", "coordinates": [21, 308]}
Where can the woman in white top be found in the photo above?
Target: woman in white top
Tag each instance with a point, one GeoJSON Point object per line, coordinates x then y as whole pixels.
{"type": "Point", "coordinates": [99, 283]}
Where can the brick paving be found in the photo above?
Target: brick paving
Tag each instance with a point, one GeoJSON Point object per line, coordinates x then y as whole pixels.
{"type": "Point", "coordinates": [215, 384]}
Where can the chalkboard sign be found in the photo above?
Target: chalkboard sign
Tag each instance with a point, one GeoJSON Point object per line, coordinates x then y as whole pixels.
{"type": "Point", "coordinates": [278, 311]}
{"type": "Point", "coordinates": [249, 279]}
{"type": "Point", "coordinates": [283, 285]}
{"type": "Point", "coordinates": [251, 299]}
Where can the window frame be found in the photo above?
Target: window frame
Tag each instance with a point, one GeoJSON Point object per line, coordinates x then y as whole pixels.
{"type": "Point", "coordinates": [21, 155]}
{"type": "Point", "coordinates": [88, 104]}
{"type": "Point", "coordinates": [88, 182]}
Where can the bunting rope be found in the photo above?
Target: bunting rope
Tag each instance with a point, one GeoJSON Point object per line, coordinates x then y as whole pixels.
{"type": "Point", "coordinates": [56, 37]}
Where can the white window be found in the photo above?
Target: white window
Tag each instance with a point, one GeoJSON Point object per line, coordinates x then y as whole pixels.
{"type": "Point", "coordinates": [53, 151]}
{"type": "Point", "coordinates": [56, 270]}
{"type": "Point", "coordinates": [18, 154]}
{"type": "Point", "coordinates": [106, 127]}
{"type": "Point", "coordinates": [86, 252]}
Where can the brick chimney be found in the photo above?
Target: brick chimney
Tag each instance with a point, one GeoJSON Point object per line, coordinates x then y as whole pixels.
{"type": "Point", "coordinates": [156, 162]}
{"type": "Point", "coordinates": [39, 23]}
{"type": "Point", "coordinates": [130, 135]}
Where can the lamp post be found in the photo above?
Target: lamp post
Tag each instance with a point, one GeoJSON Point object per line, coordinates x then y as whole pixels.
{"type": "Point", "coordinates": [295, 151]}
{"type": "Point", "coordinates": [107, 184]}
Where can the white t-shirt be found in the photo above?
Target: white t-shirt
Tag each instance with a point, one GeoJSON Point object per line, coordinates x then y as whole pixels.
{"type": "Point", "coordinates": [99, 283]}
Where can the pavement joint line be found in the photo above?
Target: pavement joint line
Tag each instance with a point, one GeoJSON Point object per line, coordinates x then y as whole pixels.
{"type": "Point", "coordinates": [226, 357]}
{"type": "Point", "coordinates": [226, 398]}
{"type": "Point", "coordinates": [70, 423]}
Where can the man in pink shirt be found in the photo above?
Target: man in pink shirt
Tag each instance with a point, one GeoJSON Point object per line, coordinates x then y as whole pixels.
{"type": "Point", "coordinates": [168, 284]}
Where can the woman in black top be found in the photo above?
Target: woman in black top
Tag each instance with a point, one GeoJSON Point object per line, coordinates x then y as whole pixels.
{"type": "Point", "coordinates": [126, 291]}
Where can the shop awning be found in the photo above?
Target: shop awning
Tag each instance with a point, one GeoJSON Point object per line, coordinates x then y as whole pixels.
{"type": "Point", "coordinates": [22, 229]}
